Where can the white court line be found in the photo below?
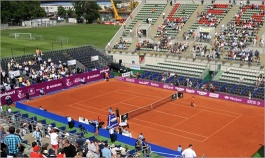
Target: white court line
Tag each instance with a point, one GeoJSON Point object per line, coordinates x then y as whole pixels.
{"type": "Point", "coordinates": [105, 106]}
{"type": "Point", "coordinates": [154, 123]}
{"type": "Point", "coordinates": [92, 97]}
{"type": "Point", "coordinates": [188, 104]}
{"type": "Point", "coordinates": [157, 111]}
{"type": "Point", "coordinates": [169, 128]}
{"type": "Point", "coordinates": [165, 132]}
{"type": "Point", "coordinates": [139, 124]}
{"type": "Point", "coordinates": [82, 109]}
{"type": "Point", "coordinates": [187, 118]}
{"type": "Point", "coordinates": [222, 128]}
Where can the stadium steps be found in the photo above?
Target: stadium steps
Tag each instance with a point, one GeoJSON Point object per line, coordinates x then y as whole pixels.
{"type": "Point", "coordinates": [135, 39]}
{"type": "Point", "coordinates": [229, 16]}
{"type": "Point", "coordinates": [191, 20]}
{"type": "Point", "coordinates": [261, 32]}
{"type": "Point", "coordinates": [218, 75]}
{"type": "Point", "coordinates": [159, 21]}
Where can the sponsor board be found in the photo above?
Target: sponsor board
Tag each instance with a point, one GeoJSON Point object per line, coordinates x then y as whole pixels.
{"type": "Point", "coordinates": [214, 95]}
{"type": "Point", "coordinates": [195, 91]}
{"type": "Point", "coordinates": [71, 62]}
{"type": "Point", "coordinates": [202, 93]}
{"type": "Point", "coordinates": [144, 82]}
{"type": "Point", "coordinates": [190, 91]}
{"type": "Point", "coordinates": [154, 84]}
{"type": "Point", "coordinates": [51, 86]}
{"type": "Point", "coordinates": [126, 74]}
{"type": "Point", "coordinates": [166, 86]}
{"type": "Point", "coordinates": [179, 89]}
{"type": "Point", "coordinates": [135, 67]}
{"type": "Point", "coordinates": [129, 80]}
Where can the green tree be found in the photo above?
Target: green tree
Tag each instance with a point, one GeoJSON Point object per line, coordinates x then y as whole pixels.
{"type": "Point", "coordinates": [91, 11]}
{"type": "Point", "coordinates": [78, 5]}
{"type": "Point", "coordinates": [88, 10]}
{"type": "Point", "coordinates": [61, 11]}
{"type": "Point", "coordinates": [17, 11]}
{"type": "Point", "coordinates": [70, 13]}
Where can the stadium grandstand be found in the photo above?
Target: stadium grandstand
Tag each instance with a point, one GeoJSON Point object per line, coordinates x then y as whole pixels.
{"type": "Point", "coordinates": [61, 103]}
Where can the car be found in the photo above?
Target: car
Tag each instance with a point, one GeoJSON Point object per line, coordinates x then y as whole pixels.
{"type": "Point", "coordinates": [117, 68]}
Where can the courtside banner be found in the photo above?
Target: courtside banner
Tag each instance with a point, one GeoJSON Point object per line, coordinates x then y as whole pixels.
{"type": "Point", "coordinates": [71, 62]}
{"type": "Point", "coordinates": [15, 73]}
{"type": "Point", "coordinates": [126, 74]}
{"type": "Point", "coordinates": [76, 79]}
{"type": "Point", "coordinates": [228, 97]}
{"type": "Point", "coordinates": [135, 67]}
{"type": "Point", "coordinates": [51, 86]}
{"type": "Point", "coordinates": [33, 90]}
{"type": "Point", "coordinates": [94, 58]}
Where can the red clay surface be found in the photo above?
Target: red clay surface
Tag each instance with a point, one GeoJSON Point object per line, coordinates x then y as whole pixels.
{"type": "Point", "coordinates": [215, 128]}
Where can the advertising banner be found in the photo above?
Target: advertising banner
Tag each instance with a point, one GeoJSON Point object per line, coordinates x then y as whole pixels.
{"type": "Point", "coordinates": [71, 62]}
{"type": "Point", "coordinates": [126, 74]}
{"type": "Point", "coordinates": [34, 90]}
{"type": "Point", "coordinates": [94, 58]}
{"type": "Point", "coordinates": [51, 86]}
{"type": "Point", "coordinates": [195, 91]}
{"type": "Point", "coordinates": [15, 73]}
{"type": "Point", "coordinates": [135, 67]}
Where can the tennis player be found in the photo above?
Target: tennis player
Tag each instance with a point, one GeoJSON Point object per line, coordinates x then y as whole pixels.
{"type": "Point", "coordinates": [192, 104]}
{"type": "Point", "coordinates": [107, 76]}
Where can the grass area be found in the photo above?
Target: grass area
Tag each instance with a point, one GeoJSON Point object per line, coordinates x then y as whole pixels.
{"type": "Point", "coordinates": [259, 153]}
{"type": "Point", "coordinates": [58, 124]}
{"type": "Point", "coordinates": [77, 34]}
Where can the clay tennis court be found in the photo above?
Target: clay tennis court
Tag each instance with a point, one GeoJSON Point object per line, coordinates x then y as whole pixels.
{"type": "Point", "coordinates": [215, 128]}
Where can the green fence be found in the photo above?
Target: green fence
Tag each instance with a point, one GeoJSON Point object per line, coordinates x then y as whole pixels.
{"type": "Point", "coordinates": [18, 51]}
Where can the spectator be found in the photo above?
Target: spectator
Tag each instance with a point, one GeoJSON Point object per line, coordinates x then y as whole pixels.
{"type": "Point", "coordinates": [42, 92]}
{"type": "Point", "coordinates": [106, 153]}
{"type": "Point", "coordinates": [61, 153]}
{"type": "Point", "coordinates": [3, 150]}
{"type": "Point", "coordinates": [2, 134]}
{"type": "Point", "coordinates": [9, 110]}
{"type": "Point", "coordinates": [71, 122]}
{"type": "Point", "coordinates": [13, 142]}
{"type": "Point", "coordinates": [93, 149]}
{"type": "Point", "coordinates": [141, 136]}
{"type": "Point", "coordinates": [21, 138]}
{"type": "Point", "coordinates": [55, 140]}
{"type": "Point", "coordinates": [117, 112]}
{"type": "Point", "coordinates": [189, 152]}
{"type": "Point", "coordinates": [145, 147]}
{"type": "Point", "coordinates": [69, 149]}
{"type": "Point", "coordinates": [137, 145]}
{"type": "Point", "coordinates": [110, 110]}
{"type": "Point", "coordinates": [80, 141]}
{"type": "Point", "coordinates": [180, 149]}
{"type": "Point", "coordinates": [83, 81]}
{"type": "Point", "coordinates": [35, 153]}
{"type": "Point", "coordinates": [112, 135]}
{"type": "Point", "coordinates": [37, 135]}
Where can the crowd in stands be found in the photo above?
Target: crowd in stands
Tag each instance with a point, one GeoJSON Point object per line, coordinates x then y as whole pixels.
{"type": "Point", "coordinates": [121, 44]}
{"type": "Point", "coordinates": [62, 143]}
{"type": "Point", "coordinates": [32, 71]}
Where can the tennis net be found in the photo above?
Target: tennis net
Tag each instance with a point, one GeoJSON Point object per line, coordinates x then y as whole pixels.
{"type": "Point", "coordinates": [145, 109]}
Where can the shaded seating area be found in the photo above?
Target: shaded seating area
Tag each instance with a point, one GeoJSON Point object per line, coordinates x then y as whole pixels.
{"type": "Point", "coordinates": [240, 75]}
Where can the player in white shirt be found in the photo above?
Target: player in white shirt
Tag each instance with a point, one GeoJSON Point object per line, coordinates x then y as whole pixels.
{"type": "Point", "coordinates": [189, 152]}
